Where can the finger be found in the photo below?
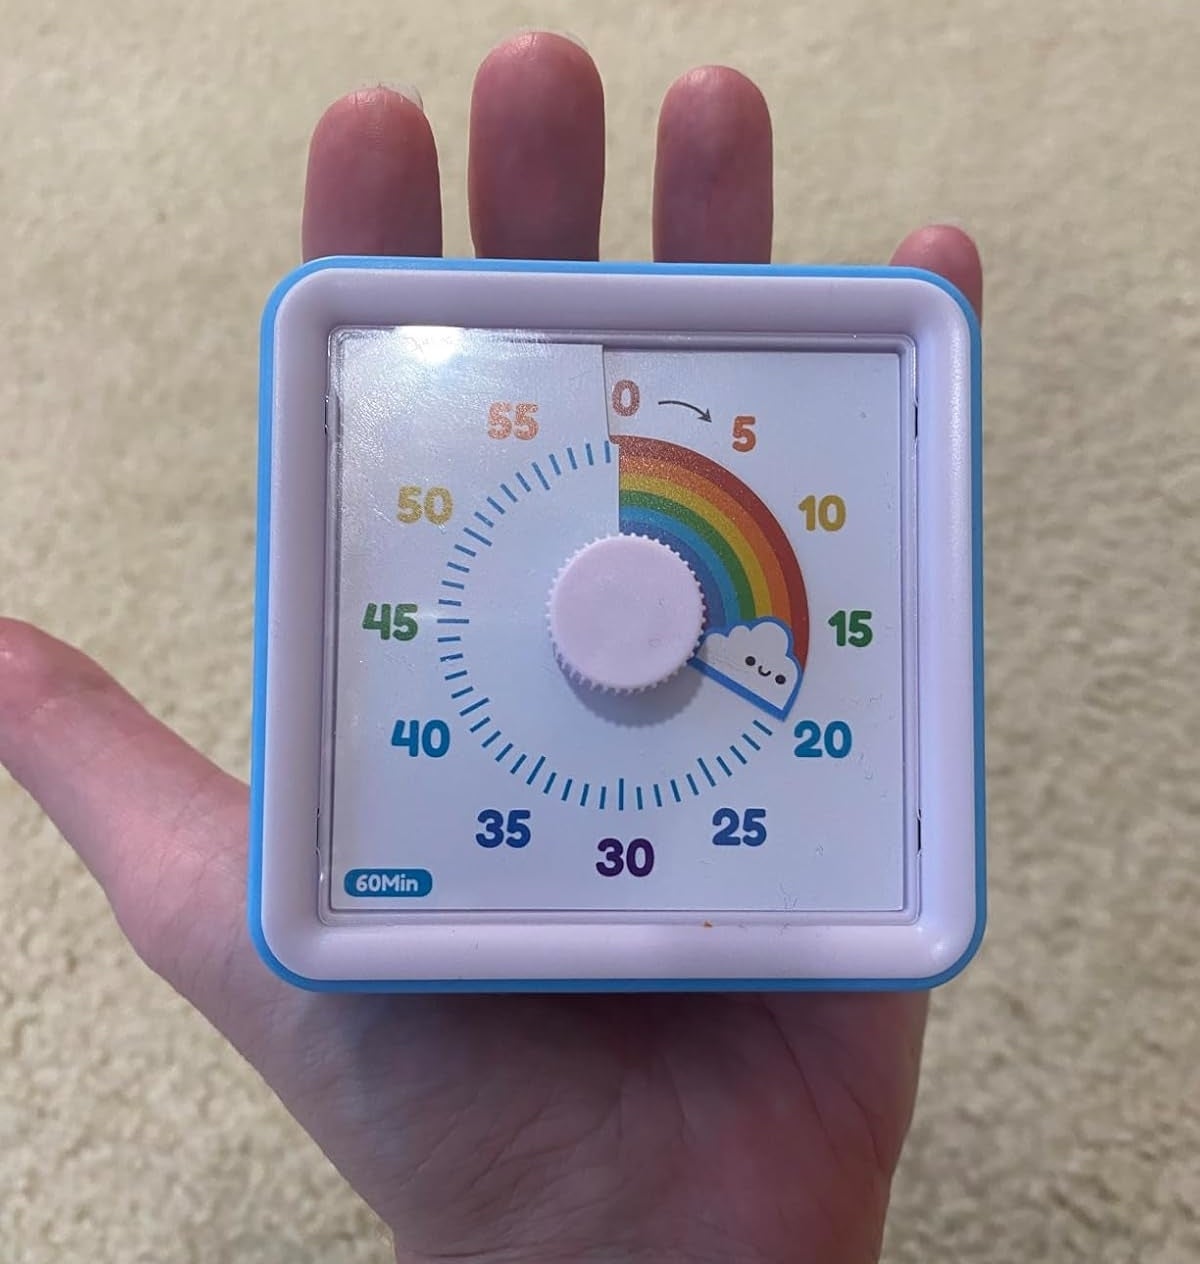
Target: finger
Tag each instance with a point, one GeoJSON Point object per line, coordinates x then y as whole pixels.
{"type": "Point", "coordinates": [162, 829]}
{"type": "Point", "coordinates": [713, 170]}
{"type": "Point", "coordinates": [536, 167]}
{"type": "Point", "coordinates": [949, 252]}
{"type": "Point", "coordinates": [372, 185]}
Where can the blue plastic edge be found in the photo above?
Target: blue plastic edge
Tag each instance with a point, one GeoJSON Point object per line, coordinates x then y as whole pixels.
{"type": "Point", "coordinates": [261, 623]}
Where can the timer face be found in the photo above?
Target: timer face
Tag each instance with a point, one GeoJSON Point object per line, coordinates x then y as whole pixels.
{"type": "Point", "coordinates": [467, 763]}
{"type": "Point", "coordinates": [617, 628]}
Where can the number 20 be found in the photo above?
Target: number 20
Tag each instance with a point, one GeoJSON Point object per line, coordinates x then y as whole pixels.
{"type": "Point", "coordinates": [835, 741]}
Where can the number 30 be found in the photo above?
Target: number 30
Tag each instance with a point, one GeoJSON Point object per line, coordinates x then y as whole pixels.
{"type": "Point", "coordinates": [638, 857]}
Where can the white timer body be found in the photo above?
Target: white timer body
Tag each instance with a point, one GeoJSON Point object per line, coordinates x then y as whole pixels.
{"type": "Point", "coordinates": [618, 627]}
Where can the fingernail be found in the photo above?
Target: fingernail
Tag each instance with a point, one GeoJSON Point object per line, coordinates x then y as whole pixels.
{"type": "Point", "coordinates": [541, 30]}
{"type": "Point", "coordinates": [409, 91]}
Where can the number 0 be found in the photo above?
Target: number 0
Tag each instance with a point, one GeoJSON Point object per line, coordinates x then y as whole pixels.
{"type": "Point", "coordinates": [639, 857]}
{"type": "Point", "coordinates": [626, 398]}
{"type": "Point", "coordinates": [439, 505]}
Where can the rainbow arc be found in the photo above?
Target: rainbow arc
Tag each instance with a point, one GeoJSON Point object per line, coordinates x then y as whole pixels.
{"type": "Point", "coordinates": [735, 546]}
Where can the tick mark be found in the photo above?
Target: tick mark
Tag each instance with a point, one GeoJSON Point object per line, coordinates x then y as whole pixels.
{"type": "Point", "coordinates": [536, 769]}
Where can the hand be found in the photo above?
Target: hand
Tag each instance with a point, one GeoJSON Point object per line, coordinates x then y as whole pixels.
{"type": "Point", "coordinates": [503, 1128]}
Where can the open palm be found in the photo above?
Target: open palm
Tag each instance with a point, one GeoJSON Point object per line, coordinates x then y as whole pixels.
{"type": "Point", "coordinates": [503, 1128]}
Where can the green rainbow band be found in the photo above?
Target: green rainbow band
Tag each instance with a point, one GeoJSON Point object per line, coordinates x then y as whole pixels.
{"type": "Point", "coordinates": [727, 595]}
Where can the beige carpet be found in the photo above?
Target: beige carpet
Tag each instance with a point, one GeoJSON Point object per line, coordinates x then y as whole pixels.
{"type": "Point", "coordinates": [151, 157]}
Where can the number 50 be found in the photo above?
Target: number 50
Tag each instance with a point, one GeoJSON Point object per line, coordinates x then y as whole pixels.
{"type": "Point", "coordinates": [436, 507]}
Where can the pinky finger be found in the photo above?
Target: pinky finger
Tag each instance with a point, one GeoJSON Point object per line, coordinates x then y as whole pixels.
{"type": "Point", "coordinates": [950, 253]}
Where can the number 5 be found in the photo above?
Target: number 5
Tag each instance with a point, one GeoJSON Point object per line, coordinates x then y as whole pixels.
{"type": "Point", "coordinates": [499, 422]}
{"type": "Point", "coordinates": [525, 423]}
{"type": "Point", "coordinates": [744, 437]}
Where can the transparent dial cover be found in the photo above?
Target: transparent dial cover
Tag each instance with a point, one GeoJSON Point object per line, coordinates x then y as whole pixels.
{"type": "Point", "coordinates": [617, 623]}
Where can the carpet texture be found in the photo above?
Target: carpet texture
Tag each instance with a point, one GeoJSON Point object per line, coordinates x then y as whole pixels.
{"type": "Point", "coordinates": [151, 161]}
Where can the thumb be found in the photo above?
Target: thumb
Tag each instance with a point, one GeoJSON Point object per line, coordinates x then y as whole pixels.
{"type": "Point", "coordinates": [162, 828]}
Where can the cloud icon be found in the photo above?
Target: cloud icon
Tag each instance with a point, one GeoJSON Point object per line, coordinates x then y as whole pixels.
{"type": "Point", "coordinates": [754, 660]}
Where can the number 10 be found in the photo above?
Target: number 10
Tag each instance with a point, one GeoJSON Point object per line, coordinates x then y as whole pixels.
{"type": "Point", "coordinates": [829, 513]}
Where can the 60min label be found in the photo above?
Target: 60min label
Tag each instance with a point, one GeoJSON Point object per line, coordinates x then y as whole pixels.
{"type": "Point", "coordinates": [389, 883]}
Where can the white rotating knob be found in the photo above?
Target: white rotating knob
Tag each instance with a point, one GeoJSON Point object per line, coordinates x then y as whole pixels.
{"type": "Point", "coordinates": [626, 613]}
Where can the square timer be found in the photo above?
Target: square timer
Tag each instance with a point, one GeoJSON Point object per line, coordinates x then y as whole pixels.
{"type": "Point", "coordinates": [618, 627]}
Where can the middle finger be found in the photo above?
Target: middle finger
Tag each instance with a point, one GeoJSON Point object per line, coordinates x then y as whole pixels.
{"type": "Point", "coordinates": [536, 167]}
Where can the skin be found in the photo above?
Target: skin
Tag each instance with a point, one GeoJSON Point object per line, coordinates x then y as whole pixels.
{"type": "Point", "coordinates": [734, 1128]}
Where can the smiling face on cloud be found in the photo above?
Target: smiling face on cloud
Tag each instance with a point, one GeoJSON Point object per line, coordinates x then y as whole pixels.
{"type": "Point", "coordinates": [754, 660]}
